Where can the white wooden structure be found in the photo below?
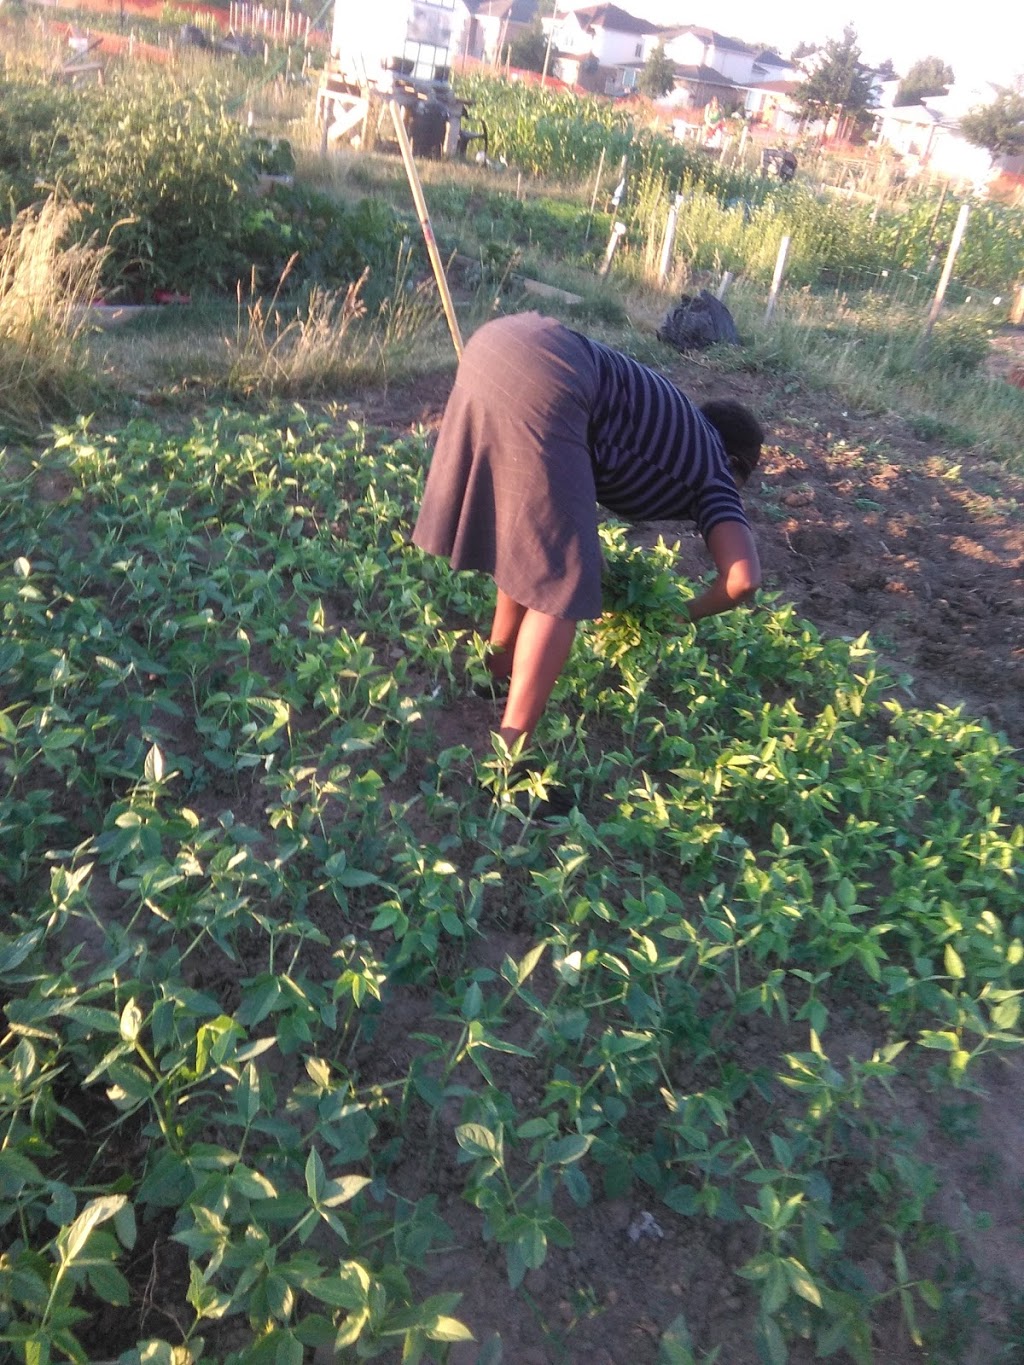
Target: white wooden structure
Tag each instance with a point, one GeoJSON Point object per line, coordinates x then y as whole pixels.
{"type": "Point", "coordinates": [404, 48]}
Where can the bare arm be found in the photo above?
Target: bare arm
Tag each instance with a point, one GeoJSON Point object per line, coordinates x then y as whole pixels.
{"type": "Point", "coordinates": [739, 571]}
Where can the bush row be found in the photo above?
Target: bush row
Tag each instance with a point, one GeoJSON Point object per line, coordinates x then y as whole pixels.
{"type": "Point", "coordinates": [167, 176]}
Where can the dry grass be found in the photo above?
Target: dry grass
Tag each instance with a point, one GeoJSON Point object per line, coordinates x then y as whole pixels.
{"type": "Point", "coordinates": [328, 342]}
{"type": "Point", "coordinates": [45, 284]}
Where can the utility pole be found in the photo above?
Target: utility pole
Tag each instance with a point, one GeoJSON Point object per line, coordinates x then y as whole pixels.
{"type": "Point", "coordinates": [547, 50]}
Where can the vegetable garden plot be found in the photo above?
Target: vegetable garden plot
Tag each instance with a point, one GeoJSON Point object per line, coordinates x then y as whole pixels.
{"type": "Point", "coordinates": [283, 982]}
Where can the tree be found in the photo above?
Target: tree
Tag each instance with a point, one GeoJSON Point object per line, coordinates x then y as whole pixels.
{"type": "Point", "coordinates": [839, 83]}
{"type": "Point", "coordinates": [528, 49]}
{"type": "Point", "coordinates": [999, 126]}
{"type": "Point", "coordinates": [658, 75]}
{"type": "Point", "coordinates": [929, 76]}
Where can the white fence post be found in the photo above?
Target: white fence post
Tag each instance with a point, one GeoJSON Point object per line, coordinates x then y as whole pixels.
{"type": "Point", "coordinates": [947, 269]}
{"type": "Point", "coordinates": [670, 239]}
{"type": "Point", "coordinates": [780, 267]}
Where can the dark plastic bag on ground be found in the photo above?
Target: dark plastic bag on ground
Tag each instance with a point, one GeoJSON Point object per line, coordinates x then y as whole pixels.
{"type": "Point", "coordinates": [699, 321]}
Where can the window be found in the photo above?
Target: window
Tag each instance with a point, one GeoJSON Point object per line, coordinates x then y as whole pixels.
{"type": "Point", "coordinates": [639, 52]}
{"type": "Point", "coordinates": [426, 59]}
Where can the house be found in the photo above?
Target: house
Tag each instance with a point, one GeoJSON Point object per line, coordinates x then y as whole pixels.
{"type": "Point", "coordinates": [493, 24]}
{"type": "Point", "coordinates": [601, 47]}
{"type": "Point", "coordinates": [704, 49]}
{"type": "Point", "coordinates": [927, 136]}
{"type": "Point", "coordinates": [754, 80]}
{"type": "Point", "coordinates": [772, 104]}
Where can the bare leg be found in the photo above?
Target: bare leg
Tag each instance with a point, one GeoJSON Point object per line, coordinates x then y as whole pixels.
{"type": "Point", "coordinates": [508, 617]}
{"type": "Point", "coordinates": [542, 645]}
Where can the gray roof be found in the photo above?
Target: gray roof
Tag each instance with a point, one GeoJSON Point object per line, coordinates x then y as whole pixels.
{"type": "Point", "coordinates": [703, 75]}
{"type": "Point", "coordinates": [516, 11]}
{"type": "Point", "coordinates": [610, 16]}
{"type": "Point", "coordinates": [709, 36]}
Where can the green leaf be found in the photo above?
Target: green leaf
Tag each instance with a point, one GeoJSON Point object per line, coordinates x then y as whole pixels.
{"type": "Point", "coordinates": [97, 1211]}
{"type": "Point", "coordinates": [342, 1190]}
{"type": "Point", "coordinates": [528, 963]}
{"type": "Point", "coordinates": [477, 1140]}
{"type": "Point", "coordinates": [568, 1149]}
{"type": "Point", "coordinates": [348, 1289]}
{"type": "Point", "coordinates": [108, 1282]}
{"type": "Point", "coordinates": [14, 952]}
{"type": "Point", "coordinates": [289, 1349]}
{"type": "Point", "coordinates": [954, 963]}
{"type": "Point", "coordinates": [772, 1341]}
{"type": "Point", "coordinates": [315, 1175]}
{"type": "Point", "coordinates": [16, 1171]}
{"type": "Point", "coordinates": [943, 1041]}
{"type": "Point", "coordinates": [802, 1283]}
{"type": "Point", "coordinates": [251, 1184]}
{"type": "Point", "coordinates": [449, 1329]}
{"type": "Point", "coordinates": [154, 765]}
{"type": "Point", "coordinates": [131, 1021]}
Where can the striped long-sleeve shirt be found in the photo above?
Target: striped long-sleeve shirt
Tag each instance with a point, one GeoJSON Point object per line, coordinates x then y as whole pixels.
{"type": "Point", "coordinates": [655, 456]}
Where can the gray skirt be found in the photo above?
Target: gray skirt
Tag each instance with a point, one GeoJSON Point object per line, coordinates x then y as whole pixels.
{"type": "Point", "coordinates": [510, 490]}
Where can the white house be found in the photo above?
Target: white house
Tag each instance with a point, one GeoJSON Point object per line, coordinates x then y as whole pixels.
{"type": "Point", "coordinates": [928, 137]}
{"type": "Point", "coordinates": [740, 76]}
{"type": "Point", "coordinates": [601, 46]}
{"type": "Point", "coordinates": [494, 24]}
{"type": "Point", "coordinates": [702, 47]}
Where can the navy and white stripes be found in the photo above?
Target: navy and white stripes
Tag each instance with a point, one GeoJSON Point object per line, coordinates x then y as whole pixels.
{"type": "Point", "coordinates": [655, 455]}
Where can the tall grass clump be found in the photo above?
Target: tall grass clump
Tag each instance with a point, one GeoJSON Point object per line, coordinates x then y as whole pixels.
{"type": "Point", "coordinates": [44, 284]}
{"type": "Point", "coordinates": [871, 351]}
{"type": "Point", "coordinates": [301, 351]}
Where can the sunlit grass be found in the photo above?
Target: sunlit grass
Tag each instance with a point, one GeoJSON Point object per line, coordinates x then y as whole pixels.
{"type": "Point", "coordinates": [44, 284]}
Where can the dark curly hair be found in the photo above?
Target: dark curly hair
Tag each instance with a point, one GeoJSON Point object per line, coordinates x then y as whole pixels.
{"type": "Point", "coordinates": [741, 434]}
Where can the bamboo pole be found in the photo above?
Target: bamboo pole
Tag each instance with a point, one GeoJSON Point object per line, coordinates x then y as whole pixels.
{"type": "Point", "coordinates": [428, 232]}
{"type": "Point", "coordinates": [593, 200]}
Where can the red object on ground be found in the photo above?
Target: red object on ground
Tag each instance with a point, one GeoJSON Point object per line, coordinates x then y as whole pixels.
{"type": "Point", "coordinates": [170, 296]}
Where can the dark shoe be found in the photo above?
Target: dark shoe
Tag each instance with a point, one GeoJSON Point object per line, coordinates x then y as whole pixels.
{"type": "Point", "coordinates": [556, 805]}
{"type": "Point", "coordinates": [494, 689]}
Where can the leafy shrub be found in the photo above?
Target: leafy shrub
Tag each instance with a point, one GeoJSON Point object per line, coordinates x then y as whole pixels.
{"type": "Point", "coordinates": [162, 171]}
{"type": "Point", "coordinates": [333, 244]}
{"type": "Point", "coordinates": [271, 156]}
{"type": "Point", "coordinates": [29, 117]}
{"type": "Point", "coordinates": [959, 343]}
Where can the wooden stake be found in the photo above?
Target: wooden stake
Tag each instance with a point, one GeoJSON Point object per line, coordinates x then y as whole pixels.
{"type": "Point", "coordinates": [428, 232]}
{"type": "Point", "coordinates": [947, 270]}
{"type": "Point", "coordinates": [670, 239]}
{"type": "Point", "coordinates": [618, 232]}
{"type": "Point", "coordinates": [780, 267]}
{"type": "Point", "coordinates": [597, 186]}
